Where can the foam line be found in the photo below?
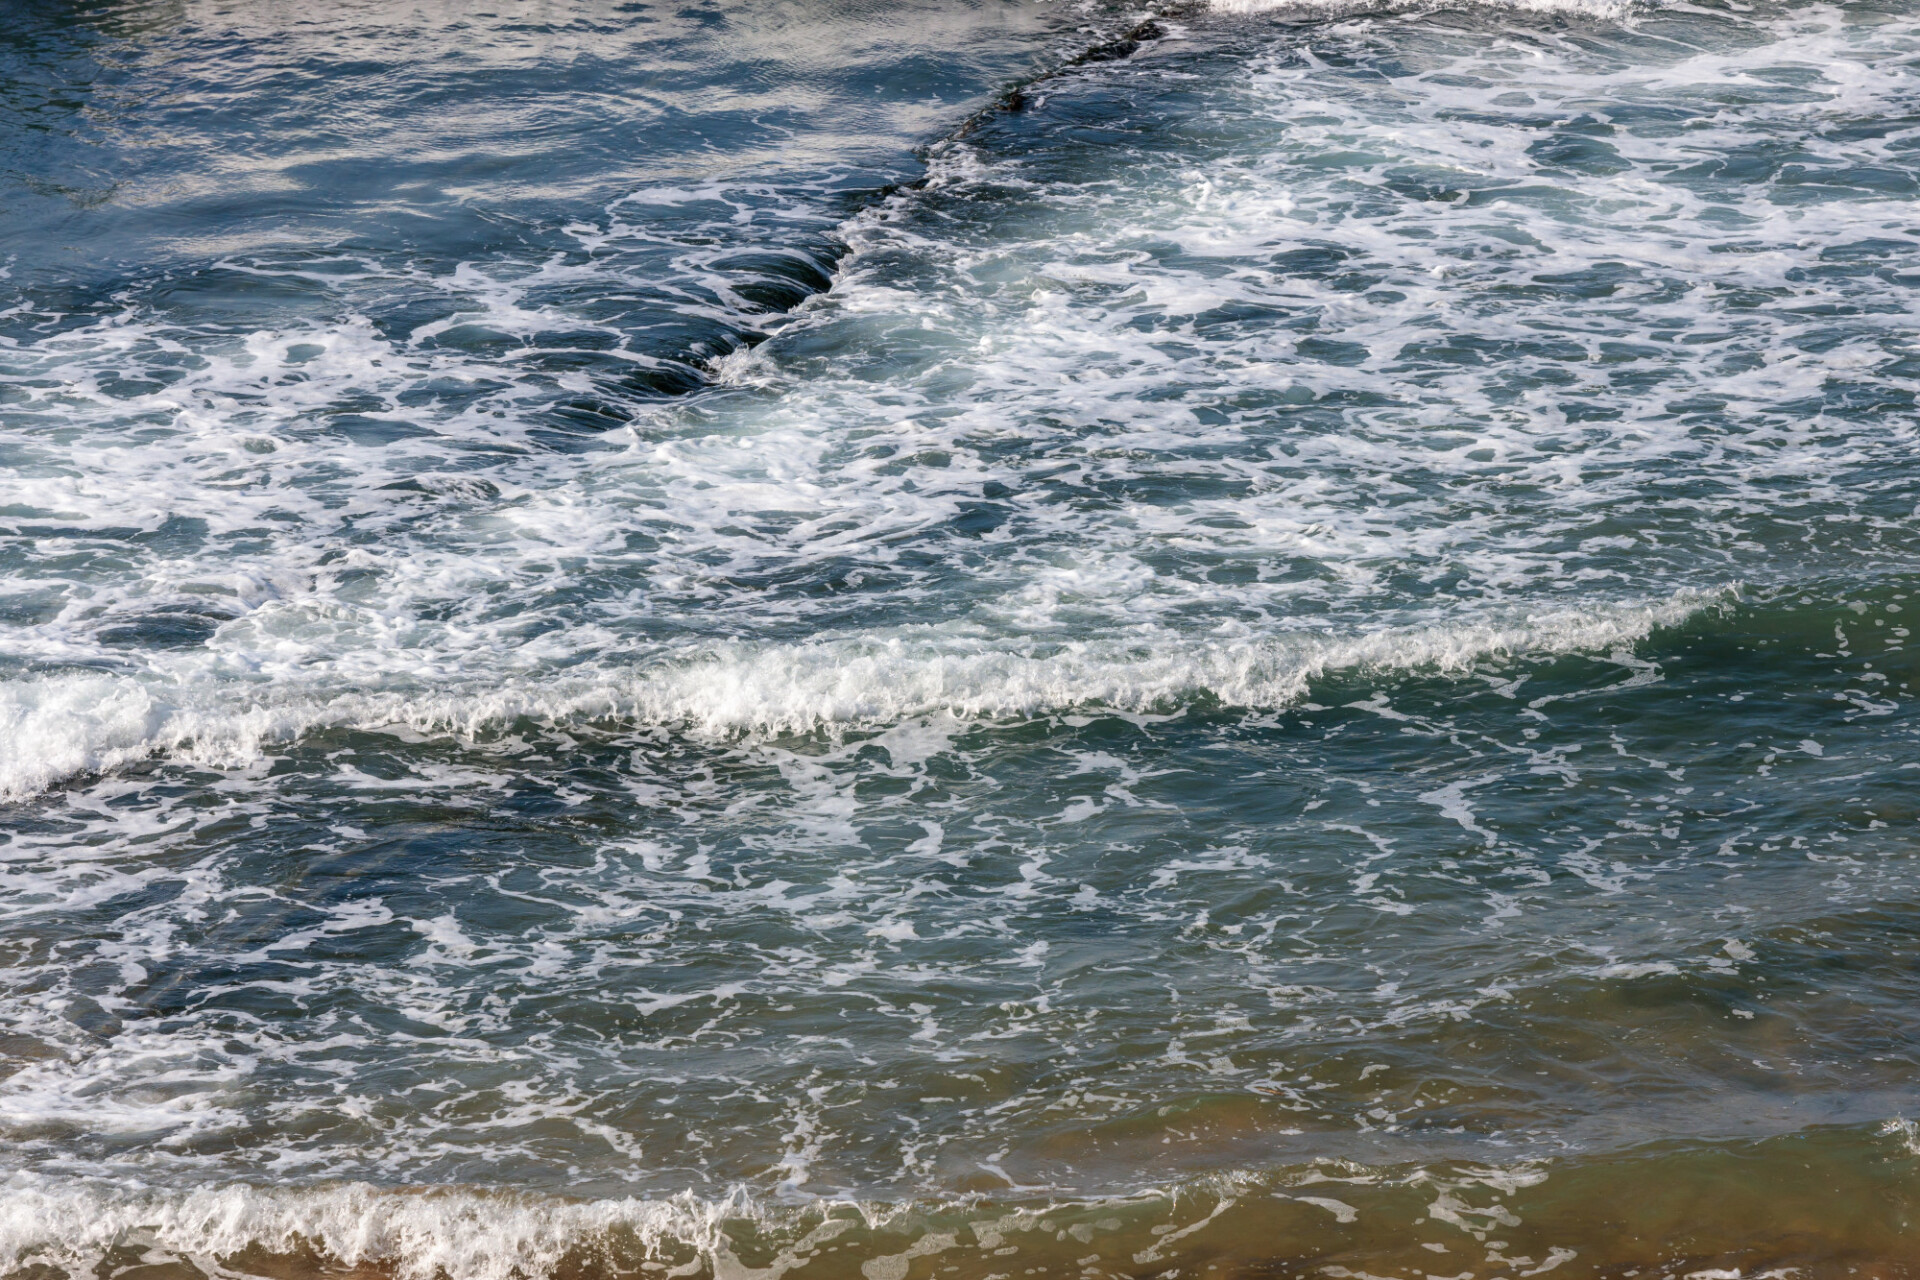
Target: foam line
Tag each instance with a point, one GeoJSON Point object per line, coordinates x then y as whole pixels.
{"type": "Point", "coordinates": [56, 727]}
{"type": "Point", "coordinates": [458, 1234]}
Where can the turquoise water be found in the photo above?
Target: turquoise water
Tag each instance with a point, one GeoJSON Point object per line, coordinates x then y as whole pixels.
{"type": "Point", "coordinates": [762, 638]}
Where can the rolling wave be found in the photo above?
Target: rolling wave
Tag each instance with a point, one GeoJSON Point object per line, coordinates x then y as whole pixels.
{"type": "Point", "coordinates": [59, 726]}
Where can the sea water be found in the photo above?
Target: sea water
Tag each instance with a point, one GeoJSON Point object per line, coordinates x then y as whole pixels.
{"type": "Point", "coordinates": [997, 639]}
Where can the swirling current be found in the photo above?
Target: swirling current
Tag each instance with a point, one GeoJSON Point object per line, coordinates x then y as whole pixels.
{"type": "Point", "coordinates": [979, 638]}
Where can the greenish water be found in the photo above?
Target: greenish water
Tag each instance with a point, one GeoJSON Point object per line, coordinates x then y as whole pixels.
{"type": "Point", "coordinates": [690, 640]}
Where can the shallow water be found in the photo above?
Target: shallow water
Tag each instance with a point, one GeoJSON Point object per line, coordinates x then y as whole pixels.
{"type": "Point", "coordinates": [837, 639]}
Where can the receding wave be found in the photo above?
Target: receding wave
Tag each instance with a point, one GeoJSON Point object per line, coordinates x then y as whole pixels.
{"type": "Point", "coordinates": [462, 1235]}
{"type": "Point", "coordinates": [59, 726]}
{"type": "Point", "coordinates": [1754, 1205]}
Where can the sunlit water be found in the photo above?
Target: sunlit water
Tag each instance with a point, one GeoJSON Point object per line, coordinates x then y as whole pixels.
{"type": "Point", "coordinates": [835, 639]}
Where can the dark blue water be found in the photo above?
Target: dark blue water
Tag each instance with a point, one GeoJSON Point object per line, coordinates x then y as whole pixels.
{"type": "Point", "coordinates": [935, 638]}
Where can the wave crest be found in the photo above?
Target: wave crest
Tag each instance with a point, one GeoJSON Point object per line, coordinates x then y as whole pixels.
{"type": "Point", "coordinates": [60, 726]}
{"type": "Point", "coordinates": [415, 1235]}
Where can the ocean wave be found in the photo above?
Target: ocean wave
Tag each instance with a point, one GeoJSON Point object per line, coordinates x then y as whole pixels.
{"type": "Point", "coordinates": [462, 1235]}
{"type": "Point", "coordinates": [1544, 1214]}
{"type": "Point", "coordinates": [59, 726]}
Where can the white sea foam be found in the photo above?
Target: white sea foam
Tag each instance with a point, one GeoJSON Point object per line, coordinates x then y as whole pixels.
{"type": "Point", "coordinates": [55, 727]}
{"type": "Point", "coordinates": [456, 1234]}
{"type": "Point", "coordinates": [463, 1234]}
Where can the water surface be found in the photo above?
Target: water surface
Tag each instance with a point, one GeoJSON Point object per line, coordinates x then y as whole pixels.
{"type": "Point", "coordinates": [831, 639]}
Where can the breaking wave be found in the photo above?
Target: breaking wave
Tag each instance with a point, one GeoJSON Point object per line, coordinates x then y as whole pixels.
{"type": "Point", "coordinates": [56, 727]}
